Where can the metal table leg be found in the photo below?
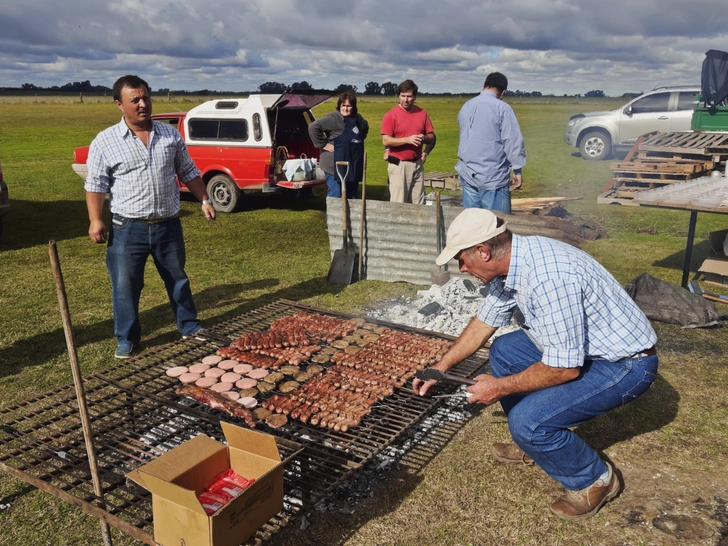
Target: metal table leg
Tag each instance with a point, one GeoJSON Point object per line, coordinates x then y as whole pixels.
{"type": "Point", "coordinates": [689, 247]}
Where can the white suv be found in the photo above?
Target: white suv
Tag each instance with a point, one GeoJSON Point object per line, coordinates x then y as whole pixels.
{"type": "Point", "coordinates": [598, 134]}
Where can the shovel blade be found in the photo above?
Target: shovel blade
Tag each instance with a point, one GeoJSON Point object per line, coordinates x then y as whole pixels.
{"type": "Point", "coordinates": [342, 267]}
{"type": "Point", "coordinates": [439, 276]}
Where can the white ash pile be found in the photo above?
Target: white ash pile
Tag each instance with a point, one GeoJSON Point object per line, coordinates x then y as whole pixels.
{"type": "Point", "coordinates": [445, 309]}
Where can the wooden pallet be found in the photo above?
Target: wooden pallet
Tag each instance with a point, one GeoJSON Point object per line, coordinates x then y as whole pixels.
{"type": "Point", "coordinates": [664, 177]}
{"type": "Point", "coordinates": [695, 142]}
{"type": "Point", "coordinates": [663, 165]}
{"type": "Point", "coordinates": [442, 180]}
{"type": "Point", "coordinates": [685, 155]}
{"type": "Point", "coordinates": [617, 197]}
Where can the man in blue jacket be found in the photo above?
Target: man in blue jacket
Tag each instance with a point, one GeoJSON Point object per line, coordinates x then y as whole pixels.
{"type": "Point", "coordinates": [491, 146]}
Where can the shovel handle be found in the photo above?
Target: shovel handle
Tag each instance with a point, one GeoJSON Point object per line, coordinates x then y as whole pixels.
{"type": "Point", "coordinates": [343, 197]}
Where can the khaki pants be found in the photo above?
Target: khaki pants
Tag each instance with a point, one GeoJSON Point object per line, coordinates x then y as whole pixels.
{"type": "Point", "coordinates": [407, 182]}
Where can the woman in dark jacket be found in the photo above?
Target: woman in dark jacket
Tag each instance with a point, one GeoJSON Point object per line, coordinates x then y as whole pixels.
{"type": "Point", "coordinates": [340, 136]}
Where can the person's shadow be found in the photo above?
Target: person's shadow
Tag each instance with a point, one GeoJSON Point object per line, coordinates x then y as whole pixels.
{"type": "Point", "coordinates": [47, 346]}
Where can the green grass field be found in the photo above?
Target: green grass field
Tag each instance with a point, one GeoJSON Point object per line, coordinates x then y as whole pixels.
{"type": "Point", "coordinates": [277, 247]}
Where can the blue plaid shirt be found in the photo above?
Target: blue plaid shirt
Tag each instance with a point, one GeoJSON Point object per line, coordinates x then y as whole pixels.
{"type": "Point", "coordinates": [141, 180]}
{"type": "Point", "coordinates": [490, 142]}
{"type": "Point", "coordinates": [574, 308]}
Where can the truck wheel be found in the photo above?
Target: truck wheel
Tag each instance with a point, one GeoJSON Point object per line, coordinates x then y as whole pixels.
{"type": "Point", "coordinates": [223, 193]}
{"type": "Point", "coordinates": [595, 145]}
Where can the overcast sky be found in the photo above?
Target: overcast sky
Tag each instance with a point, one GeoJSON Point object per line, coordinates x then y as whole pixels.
{"type": "Point", "coordinates": [552, 46]}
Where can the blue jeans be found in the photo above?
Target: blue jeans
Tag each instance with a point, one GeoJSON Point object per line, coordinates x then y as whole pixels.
{"type": "Point", "coordinates": [130, 243]}
{"type": "Point", "coordinates": [334, 187]}
{"type": "Point", "coordinates": [539, 422]}
{"type": "Point", "coordinates": [477, 198]}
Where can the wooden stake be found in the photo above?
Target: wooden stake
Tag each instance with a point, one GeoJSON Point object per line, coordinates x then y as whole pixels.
{"type": "Point", "coordinates": [363, 209]}
{"type": "Point", "coordinates": [78, 384]}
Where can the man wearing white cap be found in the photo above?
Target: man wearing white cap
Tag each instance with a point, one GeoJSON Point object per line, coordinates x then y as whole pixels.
{"type": "Point", "coordinates": [585, 349]}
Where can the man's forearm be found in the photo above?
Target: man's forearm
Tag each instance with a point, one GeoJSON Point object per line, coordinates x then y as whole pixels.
{"type": "Point", "coordinates": [197, 188]}
{"type": "Point", "coordinates": [390, 141]}
{"type": "Point", "coordinates": [430, 143]}
{"type": "Point", "coordinates": [473, 338]}
{"type": "Point", "coordinates": [95, 205]}
{"type": "Point", "coordinates": [536, 377]}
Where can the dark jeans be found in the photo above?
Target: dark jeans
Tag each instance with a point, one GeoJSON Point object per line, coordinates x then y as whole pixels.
{"type": "Point", "coordinates": [334, 187]}
{"type": "Point", "coordinates": [540, 421]}
{"type": "Point", "coordinates": [130, 243]}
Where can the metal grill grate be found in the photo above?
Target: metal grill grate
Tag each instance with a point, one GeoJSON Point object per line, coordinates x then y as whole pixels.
{"type": "Point", "coordinates": [136, 416]}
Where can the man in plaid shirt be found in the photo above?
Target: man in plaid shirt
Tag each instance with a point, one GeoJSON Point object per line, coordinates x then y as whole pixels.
{"type": "Point", "coordinates": [136, 162]}
{"type": "Point", "coordinates": [585, 349]}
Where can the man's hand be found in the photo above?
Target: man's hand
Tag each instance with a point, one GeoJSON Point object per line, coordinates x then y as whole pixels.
{"type": "Point", "coordinates": [97, 232]}
{"type": "Point", "coordinates": [517, 181]}
{"type": "Point", "coordinates": [485, 390]}
{"type": "Point", "coordinates": [424, 157]}
{"type": "Point", "coordinates": [421, 387]}
{"type": "Point", "coordinates": [208, 211]}
{"type": "Point", "coordinates": [328, 148]}
{"type": "Point", "coordinates": [473, 338]}
{"type": "Point", "coordinates": [415, 140]}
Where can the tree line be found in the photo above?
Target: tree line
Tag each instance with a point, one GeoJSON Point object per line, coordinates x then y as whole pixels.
{"type": "Point", "coordinates": [371, 88]}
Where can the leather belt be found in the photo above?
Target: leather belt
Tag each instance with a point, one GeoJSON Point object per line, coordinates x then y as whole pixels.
{"type": "Point", "coordinates": [155, 220]}
{"type": "Point", "coordinates": [647, 352]}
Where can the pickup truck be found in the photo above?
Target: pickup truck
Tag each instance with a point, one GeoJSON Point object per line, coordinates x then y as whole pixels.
{"type": "Point", "coordinates": [598, 134]}
{"type": "Point", "coordinates": [235, 143]}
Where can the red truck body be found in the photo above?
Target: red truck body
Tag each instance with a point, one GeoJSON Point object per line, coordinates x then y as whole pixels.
{"type": "Point", "coordinates": [235, 143]}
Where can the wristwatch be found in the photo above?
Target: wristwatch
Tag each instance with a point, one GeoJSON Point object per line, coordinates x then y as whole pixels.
{"type": "Point", "coordinates": [207, 201]}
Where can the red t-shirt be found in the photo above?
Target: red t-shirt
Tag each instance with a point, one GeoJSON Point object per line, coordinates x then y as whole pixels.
{"type": "Point", "coordinates": [399, 123]}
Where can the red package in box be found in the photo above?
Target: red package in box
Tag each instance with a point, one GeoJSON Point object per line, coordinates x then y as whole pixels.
{"type": "Point", "coordinates": [227, 486]}
{"type": "Point", "coordinates": [212, 501]}
{"type": "Point", "coordinates": [236, 479]}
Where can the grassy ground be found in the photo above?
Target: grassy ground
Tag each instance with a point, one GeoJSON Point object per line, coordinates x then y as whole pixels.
{"type": "Point", "coordinates": [277, 248]}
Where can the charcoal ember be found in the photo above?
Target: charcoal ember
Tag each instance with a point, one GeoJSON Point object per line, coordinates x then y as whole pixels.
{"type": "Point", "coordinates": [430, 309]}
{"type": "Point", "coordinates": [468, 284]}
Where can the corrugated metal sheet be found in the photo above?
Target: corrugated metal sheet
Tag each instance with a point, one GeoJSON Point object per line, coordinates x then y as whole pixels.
{"type": "Point", "coordinates": [400, 239]}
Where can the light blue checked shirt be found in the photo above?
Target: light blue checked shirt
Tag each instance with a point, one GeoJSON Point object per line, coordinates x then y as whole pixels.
{"type": "Point", "coordinates": [141, 181]}
{"type": "Point", "coordinates": [490, 143]}
{"type": "Point", "coordinates": [574, 308]}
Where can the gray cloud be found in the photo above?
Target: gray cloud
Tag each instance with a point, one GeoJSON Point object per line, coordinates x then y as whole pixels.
{"type": "Point", "coordinates": [555, 46]}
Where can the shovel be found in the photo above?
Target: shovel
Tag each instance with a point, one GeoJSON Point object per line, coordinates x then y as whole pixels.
{"type": "Point", "coordinates": [437, 274]}
{"type": "Point", "coordinates": [431, 374]}
{"type": "Point", "coordinates": [342, 265]}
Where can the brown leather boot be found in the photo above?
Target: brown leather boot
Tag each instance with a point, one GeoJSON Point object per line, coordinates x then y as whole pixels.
{"type": "Point", "coordinates": [576, 505]}
{"type": "Point", "coordinates": [510, 454]}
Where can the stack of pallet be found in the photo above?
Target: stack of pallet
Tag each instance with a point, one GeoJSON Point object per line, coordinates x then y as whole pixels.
{"type": "Point", "coordinates": [659, 159]}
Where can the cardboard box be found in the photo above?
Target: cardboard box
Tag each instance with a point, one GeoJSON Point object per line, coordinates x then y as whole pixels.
{"type": "Point", "coordinates": [177, 477]}
{"type": "Point", "coordinates": [715, 268]}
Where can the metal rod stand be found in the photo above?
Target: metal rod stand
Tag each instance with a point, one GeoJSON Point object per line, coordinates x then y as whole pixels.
{"type": "Point", "coordinates": [689, 248]}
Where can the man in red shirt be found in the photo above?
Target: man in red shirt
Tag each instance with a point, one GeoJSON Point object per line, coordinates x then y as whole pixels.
{"type": "Point", "coordinates": [405, 129]}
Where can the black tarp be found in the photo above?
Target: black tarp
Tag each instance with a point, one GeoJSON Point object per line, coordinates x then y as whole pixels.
{"type": "Point", "coordinates": [666, 302]}
{"type": "Point", "coordinates": [714, 77]}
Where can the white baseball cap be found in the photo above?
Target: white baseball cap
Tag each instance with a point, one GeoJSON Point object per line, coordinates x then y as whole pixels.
{"type": "Point", "coordinates": [471, 227]}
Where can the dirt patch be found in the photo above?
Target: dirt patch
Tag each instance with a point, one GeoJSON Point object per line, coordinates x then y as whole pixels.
{"type": "Point", "coordinates": [667, 504]}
